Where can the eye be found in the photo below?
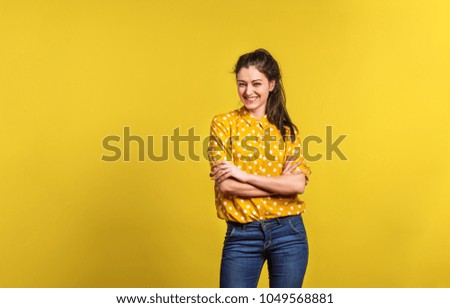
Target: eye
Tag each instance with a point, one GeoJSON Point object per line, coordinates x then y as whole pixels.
{"type": "Point", "coordinates": [257, 84]}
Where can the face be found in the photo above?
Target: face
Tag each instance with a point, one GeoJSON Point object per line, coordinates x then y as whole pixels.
{"type": "Point", "coordinates": [253, 89]}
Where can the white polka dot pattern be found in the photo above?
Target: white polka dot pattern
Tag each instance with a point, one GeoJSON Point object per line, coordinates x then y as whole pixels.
{"type": "Point", "coordinates": [262, 154]}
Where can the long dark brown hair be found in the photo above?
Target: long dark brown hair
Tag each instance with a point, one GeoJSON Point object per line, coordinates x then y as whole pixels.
{"type": "Point", "coordinates": [276, 103]}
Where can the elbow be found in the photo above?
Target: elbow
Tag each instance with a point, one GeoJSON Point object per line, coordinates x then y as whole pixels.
{"type": "Point", "coordinates": [299, 189]}
{"type": "Point", "coordinates": [300, 184]}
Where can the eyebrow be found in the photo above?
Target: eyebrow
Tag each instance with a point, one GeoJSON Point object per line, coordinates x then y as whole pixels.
{"type": "Point", "coordinates": [239, 80]}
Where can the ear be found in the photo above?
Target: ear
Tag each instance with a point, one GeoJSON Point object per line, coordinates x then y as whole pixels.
{"type": "Point", "coordinates": [271, 85]}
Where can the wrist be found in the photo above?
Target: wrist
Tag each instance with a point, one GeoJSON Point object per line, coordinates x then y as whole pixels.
{"type": "Point", "coordinates": [248, 178]}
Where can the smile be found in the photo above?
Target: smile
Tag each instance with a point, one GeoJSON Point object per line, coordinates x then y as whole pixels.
{"type": "Point", "coordinates": [250, 99]}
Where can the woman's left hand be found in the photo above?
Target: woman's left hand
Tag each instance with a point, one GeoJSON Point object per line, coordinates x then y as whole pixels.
{"type": "Point", "coordinates": [224, 169]}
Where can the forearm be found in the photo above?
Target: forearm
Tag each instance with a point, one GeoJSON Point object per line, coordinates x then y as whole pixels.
{"type": "Point", "coordinates": [247, 190]}
{"type": "Point", "coordinates": [287, 184]}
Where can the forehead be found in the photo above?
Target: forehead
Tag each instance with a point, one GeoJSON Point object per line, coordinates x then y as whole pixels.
{"type": "Point", "coordinates": [250, 73]}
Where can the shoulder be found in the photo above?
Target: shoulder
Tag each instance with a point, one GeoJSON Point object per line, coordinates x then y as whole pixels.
{"type": "Point", "coordinates": [226, 117]}
{"type": "Point", "coordinates": [296, 134]}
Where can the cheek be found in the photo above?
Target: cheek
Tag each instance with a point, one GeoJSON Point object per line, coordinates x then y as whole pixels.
{"type": "Point", "coordinates": [263, 93]}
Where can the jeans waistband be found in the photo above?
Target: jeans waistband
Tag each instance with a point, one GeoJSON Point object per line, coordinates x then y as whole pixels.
{"type": "Point", "coordinates": [263, 222]}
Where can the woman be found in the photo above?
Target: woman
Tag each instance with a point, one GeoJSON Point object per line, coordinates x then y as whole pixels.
{"type": "Point", "coordinates": [259, 170]}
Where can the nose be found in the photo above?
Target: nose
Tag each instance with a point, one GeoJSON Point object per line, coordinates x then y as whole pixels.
{"type": "Point", "coordinates": [249, 90]}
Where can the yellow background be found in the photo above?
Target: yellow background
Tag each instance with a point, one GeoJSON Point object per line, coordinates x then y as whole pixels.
{"type": "Point", "coordinates": [73, 72]}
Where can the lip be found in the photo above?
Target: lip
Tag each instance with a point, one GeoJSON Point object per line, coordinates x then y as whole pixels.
{"type": "Point", "coordinates": [250, 99]}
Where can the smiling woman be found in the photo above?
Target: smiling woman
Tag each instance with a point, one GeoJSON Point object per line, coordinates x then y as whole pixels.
{"type": "Point", "coordinates": [257, 180]}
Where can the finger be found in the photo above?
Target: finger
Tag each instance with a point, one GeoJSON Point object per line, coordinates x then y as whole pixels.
{"type": "Point", "coordinates": [217, 164]}
{"type": "Point", "coordinates": [289, 167]}
{"type": "Point", "coordinates": [219, 174]}
{"type": "Point", "coordinates": [217, 169]}
{"type": "Point", "coordinates": [296, 166]}
{"type": "Point", "coordinates": [224, 176]}
{"type": "Point", "coordinates": [221, 162]}
{"type": "Point", "coordinates": [290, 158]}
{"type": "Point", "coordinates": [287, 164]}
{"type": "Point", "coordinates": [286, 167]}
{"type": "Point", "coordinates": [213, 173]}
{"type": "Point", "coordinates": [293, 166]}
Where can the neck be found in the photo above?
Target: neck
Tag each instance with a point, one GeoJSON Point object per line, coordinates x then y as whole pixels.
{"type": "Point", "coordinates": [258, 114]}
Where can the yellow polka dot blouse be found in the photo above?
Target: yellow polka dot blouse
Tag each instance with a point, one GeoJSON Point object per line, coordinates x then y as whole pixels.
{"type": "Point", "coordinates": [257, 147]}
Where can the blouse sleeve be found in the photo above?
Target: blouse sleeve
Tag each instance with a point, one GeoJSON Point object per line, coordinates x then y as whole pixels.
{"type": "Point", "coordinates": [294, 152]}
{"type": "Point", "coordinates": [219, 141]}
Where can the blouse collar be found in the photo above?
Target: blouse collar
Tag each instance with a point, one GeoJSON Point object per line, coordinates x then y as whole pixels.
{"type": "Point", "coordinates": [251, 120]}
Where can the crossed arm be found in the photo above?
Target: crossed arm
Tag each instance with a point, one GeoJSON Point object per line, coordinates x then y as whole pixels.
{"type": "Point", "coordinates": [233, 181]}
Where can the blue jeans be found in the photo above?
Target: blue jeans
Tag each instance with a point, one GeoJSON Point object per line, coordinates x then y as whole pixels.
{"type": "Point", "coordinates": [282, 241]}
